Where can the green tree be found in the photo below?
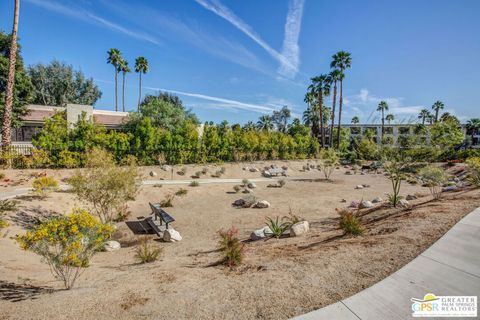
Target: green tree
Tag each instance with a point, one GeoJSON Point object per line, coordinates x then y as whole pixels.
{"type": "Point", "coordinates": [141, 66]}
{"type": "Point", "coordinates": [265, 123]}
{"type": "Point", "coordinates": [424, 115]}
{"type": "Point", "coordinates": [280, 118]}
{"type": "Point", "coordinates": [382, 107]}
{"type": "Point", "coordinates": [446, 135]}
{"type": "Point", "coordinates": [473, 126]}
{"type": "Point", "coordinates": [355, 120]}
{"type": "Point", "coordinates": [437, 106]}
{"type": "Point", "coordinates": [124, 68]}
{"type": "Point", "coordinates": [341, 60]}
{"type": "Point", "coordinates": [447, 116]}
{"type": "Point", "coordinates": [320, 88]}
{"type": "Point", "coordinates": [115, 58]}
{"type": "Point", "coordinates": [390, 117]}
{"type": "Point", "coordinates": [57, 84]}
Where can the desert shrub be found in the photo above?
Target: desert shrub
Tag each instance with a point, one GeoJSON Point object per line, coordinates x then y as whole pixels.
{"type": "Point", "coordinates": [146, 253]}
{"type": "Point", "coordinates": [237, 188]}
{"type": "Point", "coordinates": [38, 159]}
{"type": "Point", "coordinates": [168, 201]}
{"type": "Point", "coordinates": [43, 185]}
{"type": "Point", "coordinates": [367, 150]}
{"type": "Point", "coordinates": [181, 192]}
{"type": "Point", "coordinates": [245, 182]}
{"type": "Point", "coordinates": [67, 243]}
{"type": "Point", "coordinates": [69, 159]}
{"type": "Point", "coordinates": [350, 223]}
{"type": "Point", "coordinates": [129, 160]}
{"type": "Point", "coordinates": [223, 170]}
{"type": "Point", "coordinates": [197, 175]}
{"type": "Point", "coordinates": [3, 222]}
{"type": "Point", "coordinates": [7, 157]}
{"type": "Point", "coordinates": [473, 164]}
{"type": "Point", "coordinates": [2, 175]}
{"type": "Point", "coordinates": [182, 171]}
{"type": "Point", "coordinates": [231, 247]}
{"type": "Point", "coordinates": [204, 171]}
{"type": "Point", "coordinates": [158, 185]}
{"type": "Point", "coordinates": [434, 178]}
{"type": "Point", "coordinates": [396, 173]}
{"type": "Point", "coordinates": [194, 184]}
{"type": "Point", "coordinates": [281, 183]}
{"type": "Point", "coordinates": [277, 227]}
{"type": "Point", "coordinates": [291, 218]}
{"type": "Point", "coordinates": [8, 205]}
{"type": "Point", "coordinates": [423, 153]}
{"type": "Point", "coordinates": [105, 186]}
{"type": "Point", "coordinates": [328, 162]}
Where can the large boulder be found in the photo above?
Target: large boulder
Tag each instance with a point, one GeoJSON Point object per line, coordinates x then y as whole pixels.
{"type": "Point", "coordinates": [262, 204]}
{"type": "Point", "coordinates": [171, 235]}
{"type": "Point", "coordinates": [299, 229]}
{"type": "Point", "coordinates": [260, 234]}
{"type": "Point", "coordinates": [112, 246]}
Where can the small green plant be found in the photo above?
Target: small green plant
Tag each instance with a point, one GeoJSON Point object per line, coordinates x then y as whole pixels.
{"type": "Point", "coordinates": [181, 192]}
{"type": "Point", "coordinates": [43, 185]}
{"type": "Point", "coordinates": [329, 162]}
{"type": "Point", "coordinates": [433, 177]}
{"type": "Point", "coordinates": [158, 185]}
{"type": "Point", "coordinates": [197, 174]}
{"type": "Point", "coordinates": [237, 188]}
{"type": "Point", "coordinates": [146, 253]}
{"type": "Point", "coordinates": [281, 183]}
{"type": "Point", "coordinates": [350, 223]}
{"type": "Point", "coordinates": [194, 184]}
{"type": "Point", "coordinates": [393, 200]}
{"type": "Point", "coordinates": [277, 227]}
{"type": "Point", "coordinates": [204, 171]}
{"type": "Point", "coordinates": [3, 222]}
{"type": "Point", "coordinates": [182, 171]}
{"type": "Point", "coordinates": [231, 247]}
{"type": "Point", "coordinates": [168, 201]}
{"type": "Point", "coordinates": [8, 205]}
{"type": "Point", "coordinates": [245, 182]}
{"type": "Point", "coordinates": [2, 175]}
{"type": "Point", "coordinates": [291, 218]}
{"type": "Point", "coordinates": [395, 170]}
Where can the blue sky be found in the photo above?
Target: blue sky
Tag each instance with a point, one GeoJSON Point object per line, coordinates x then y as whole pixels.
{"type": "Point", "coordinates": [235, 60]}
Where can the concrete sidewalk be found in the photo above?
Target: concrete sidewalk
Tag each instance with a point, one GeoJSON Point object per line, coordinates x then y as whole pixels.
{"type": "Point", "coordinates": [450, 267]}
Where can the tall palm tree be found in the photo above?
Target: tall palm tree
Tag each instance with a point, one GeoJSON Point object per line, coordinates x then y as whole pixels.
{"type": "Point", "coordinates": [383, 106]}
{"type": "Point", "coordinates": [336, 75]}
{"type": "Point", "coordinates": [355, 120]}
{"type": "Point", "coordinates": [265, 123]}
{"type": "Point", "coordinates": [141, 66]}
{"type": "Point", "coordinates": [424, 114]}
{"type": "Point", "coordinates": [7, 114]}
{"type": "Point", "coordinates": [342, 60]}
{"type": "Point", "coordinates": [473, 125]}
{"type": "Point", "coordinates": [115, 58]}
{"type": "Point", "coordinates": [124, 68]}
{"type": "Point", "coordinates": [390, 117]}
{"type": "Point", "coordinates": [437, 106]}
{"type": "Point", "coordinates": [320, 87]}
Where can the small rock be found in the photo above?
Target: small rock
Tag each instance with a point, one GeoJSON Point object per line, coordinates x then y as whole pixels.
{"type": "Point", "coordinates": [366, 185]}
{"type": "Point", "coordinates": [247, 190]}
{"type": "Point", "coordinates": [343, 201]}
{"type": "Point", "coordinates": [456, 179]}
{"type": "Point", "coordinates": [377, 200]}
{"type": "Point", "coordinates": [260, 233]}
{"type": "Point", "coordinates": [359, 186]}
{"type": "Point", "coordinates": [262, 204]}
{"type": "Point", "coordinates": [449, 188]}
{"type": "Point", "coordinates": [153, 174]}
{"type": "Point", "coordinates": [166, 168]}
{"type": "Point", "coordinates": [404, 203]}
{"type": "Point", "coordinates": [362, 173]}
{"type": "Point", "coordinates": [254, 170]}
{"type": "Point", "coordinates": [348, 173]}
{"type": "Point", "coordinates": [171, 235]}
{"type": "Point", "coordinates": [366, 204]}
{"type": "Point", "coordinates": [354, 204]}
{"type": "Point", "coordinates": [112, 246]}
{"type": "Point", "coordinates": [460, 184]}
{"type": "Point", "coordinates": [251, 185]}
{"type": "Point", "coordinates": [267, 174]}
{"type": "Point", "coordinates": [238, 203]}
{"type": "Point", "coordinates": [284, 167]}
{"type": "Point", "coordinates": [411, 197]}
{"type": "Point", "coordinates": [299, 229]}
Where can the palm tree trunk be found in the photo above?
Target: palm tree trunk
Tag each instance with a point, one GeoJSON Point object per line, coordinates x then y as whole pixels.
{"type": "Point", "coordinates": [383, 125]}
{"type": "Point", "coordinates": [7, 115]}
{"type": "Point", "coordinates": [340, 115]}
{"type": "Point", "coordinates": [333, 112]}
{"type": "Point", "coordinates": [436, 115]}
{"type": "Point", "coordinates": [423, 120]}
{"type": "Point", "coordinates": [140, 91]}
{"type": "Point", "coordinates": [322, 128]}
{"type": "Point", "coordinates": [123, 93]}
{"type": "Point", "coordinates": [116, 89]}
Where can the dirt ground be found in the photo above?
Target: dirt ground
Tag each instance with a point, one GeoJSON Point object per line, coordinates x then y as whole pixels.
{"type": "Point", "coordinates": [280, 278]}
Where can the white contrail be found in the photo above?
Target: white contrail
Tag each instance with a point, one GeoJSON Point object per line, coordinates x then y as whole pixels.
{"type": "Point", "coordinates": [291, 50]}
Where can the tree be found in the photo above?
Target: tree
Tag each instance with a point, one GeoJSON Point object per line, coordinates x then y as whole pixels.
{"type": "Point", "coordinates": [249, 126]}
{"type": "Point", "coordinates": [383, 106]}
{"type": "Point", "coordinates": [473, 125]}
{"type": "Point", "coordinates": [341, 60]}
{"type": "Point", "coordinates": [57, 84]}
{"type": "Point", "coordinates": [7, 114]}
{"type": "Point", "coordinates": [320, 88]}
{"type": "Point", "coordinates": [115, 58]}
{"type": "Point", "coordinates": [124, 68]}
{"type": "Point", "coordinates": [447, 116]}
{"type": "Point", "coordinates": [437, 106]}
{"type": "Point", "coordinates": [336, 75]}
{"type": "Point", "coordinates": [280, 118]}
{"type": "Point", "coordinates": [355, 120]}
{"type": "Point", "coordinates": [446, 135]}
{"type": "Point", "coordinates": [141, 66]}
{"type": "Point", "coordinates": [265, 123]}
{"type": "Point", "coordinates": [390, 117]}
{"type": "Point", "coordinates": [424, 115]}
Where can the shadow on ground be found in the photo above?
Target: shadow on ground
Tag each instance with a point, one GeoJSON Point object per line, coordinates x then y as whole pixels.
{"type": "Point", "coordinates": [13, 292]}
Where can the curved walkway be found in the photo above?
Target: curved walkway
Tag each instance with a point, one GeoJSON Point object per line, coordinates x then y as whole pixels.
{"type": "Point", "coordinates": [450, 267]}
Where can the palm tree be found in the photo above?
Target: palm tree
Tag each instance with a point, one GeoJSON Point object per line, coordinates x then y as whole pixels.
{"type": "Point", "coordinates": [431, 118]}
{"type": "Point", "coordinates": [390, 117]}
{"type": "Point", "coordinates": [383, 106]}
{"type": "Point", "coordinates": [355, 120]}
{"type": "Point", "coordinates": [141, 66]}
{"type": "Point", "coordinates": [473, 125]}
{"type": "Point", "coordinates": [7, 114]}
{"type": "Point", "coordinates": [265, 123]}
{"type": "Point", "coordinates": [424, 114]}
{"type": "Point", "coordinates": [437, 106]}
{"type": "Point", "coordinates": [249, 126]}
{"type": "Point", "coordinates": [320, 87]}
{"type": "Point", "coordinates": [336, 75]}
{"type": "Point", "coordinates": [124, 68]}
{"type": "Point", "coordinates": [115, 58]}
{"type": "Point", "coordinates": [341, 60]}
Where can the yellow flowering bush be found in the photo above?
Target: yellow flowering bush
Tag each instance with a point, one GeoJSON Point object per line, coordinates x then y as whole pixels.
{"type": "Point", "coordinates": [67, 243]}
{"type": "Point", "coordinates": [42, 185]}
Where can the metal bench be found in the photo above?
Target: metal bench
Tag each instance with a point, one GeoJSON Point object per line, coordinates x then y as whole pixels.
{"type": "Point", "coordinates": [160, 214]}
